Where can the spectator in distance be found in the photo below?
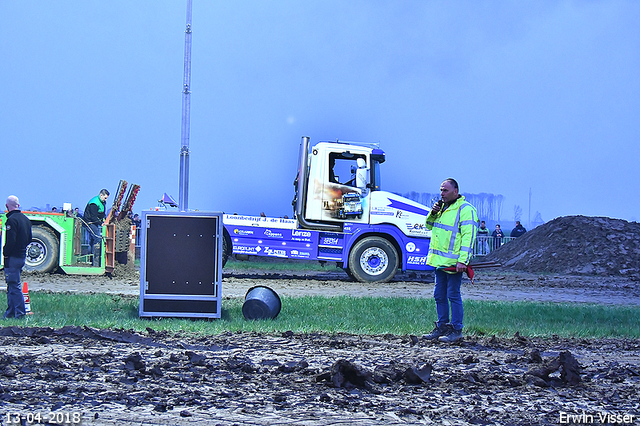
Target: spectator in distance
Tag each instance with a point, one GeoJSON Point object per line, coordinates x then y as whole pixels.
{"type": "Point", "coordinates": [518, 230]}
{"type": "Point", "coordinates": [483, 239]}
{"type": "Point", "coordinates": [497, 235]}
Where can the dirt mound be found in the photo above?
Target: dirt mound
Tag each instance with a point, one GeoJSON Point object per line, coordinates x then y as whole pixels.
{"type": "Point", "coordinates": [576, 245]}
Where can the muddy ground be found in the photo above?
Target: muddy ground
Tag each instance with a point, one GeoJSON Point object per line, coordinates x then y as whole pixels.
{"type": "Point", "coordinates": [118, 377]}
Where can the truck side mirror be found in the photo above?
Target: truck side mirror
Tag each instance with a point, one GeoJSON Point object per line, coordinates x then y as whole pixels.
{"type": "Point", "coordinates": [362, 174]}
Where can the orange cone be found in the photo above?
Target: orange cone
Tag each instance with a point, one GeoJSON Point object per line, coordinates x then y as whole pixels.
{"type": "Point", "coordinates": [27, 302]}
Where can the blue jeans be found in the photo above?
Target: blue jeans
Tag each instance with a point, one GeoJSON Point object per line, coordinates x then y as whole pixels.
{"type": "Point", "coordinates": [95, 237]}
{"type": "Point", "coordinates": [447, 291]}
{"type": "Point", "coordinates": [15, 299]}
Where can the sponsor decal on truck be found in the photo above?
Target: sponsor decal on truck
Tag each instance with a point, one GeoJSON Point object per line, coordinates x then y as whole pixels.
{"type": "Point", "coordinates": [275, 252]}
{"type": "Point", "coordinates": [417, 260]}
{"type": "Point", "coordinates": [330, 241]}
{"type": "Point", "coordinates": [382, 211]}
{"type": "Point", "coordinates": [417, 229]}
{"type": "Point", "coordinates": [270, 234]}
{"type": "Point", "coordinates": [297, 235]}
{"type": "Point", "coordinates": [300, 254]}
{"type": "Point", "coordinates": [246, 250]}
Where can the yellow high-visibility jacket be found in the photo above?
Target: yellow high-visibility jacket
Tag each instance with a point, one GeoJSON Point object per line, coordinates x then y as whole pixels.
{"type": "Point", "coordinates": [453, 234]}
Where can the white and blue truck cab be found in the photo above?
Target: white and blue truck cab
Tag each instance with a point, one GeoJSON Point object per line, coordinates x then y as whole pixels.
{"type": "Point", "coordinates": [341, 215]}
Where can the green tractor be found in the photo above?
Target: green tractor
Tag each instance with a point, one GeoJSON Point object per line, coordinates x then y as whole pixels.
{"type": "Point", "coordinates": [57, 239]}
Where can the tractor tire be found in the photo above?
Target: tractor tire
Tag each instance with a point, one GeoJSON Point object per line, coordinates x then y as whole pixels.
{"type": "Point", "coordinates": [373, 260]}
{"type": "Point", "coordinates": [43, 252]}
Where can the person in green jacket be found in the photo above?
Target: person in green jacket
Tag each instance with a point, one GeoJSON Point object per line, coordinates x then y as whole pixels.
{"type": "Point", "coordinates": [454, 226]}
{"type": "Point", "coordinates": [94, 215]}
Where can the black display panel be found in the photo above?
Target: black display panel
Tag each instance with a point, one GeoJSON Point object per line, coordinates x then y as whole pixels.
{"type": "Point", "coordinates": [181, 255]}
{"type": "Point", "coordinates": [181, 264]}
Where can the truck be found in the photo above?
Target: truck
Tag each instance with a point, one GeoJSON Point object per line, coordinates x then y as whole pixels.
{"type": "Point", "coordinates": [341, 214]}
{"type": "Point", "coordinates": [57, 238]}
{"type": "Point", "coordinates": [350, 205]}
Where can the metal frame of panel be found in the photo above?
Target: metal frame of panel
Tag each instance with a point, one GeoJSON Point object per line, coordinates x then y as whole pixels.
{"type": "Point", "coordinates": [181, 264]}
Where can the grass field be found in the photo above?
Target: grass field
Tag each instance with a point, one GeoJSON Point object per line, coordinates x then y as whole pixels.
{"type": "Point", "coordinates": [366, 315]}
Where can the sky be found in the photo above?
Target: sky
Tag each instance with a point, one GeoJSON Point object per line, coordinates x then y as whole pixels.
{"type": "Point", "coordinates": [538, 101]}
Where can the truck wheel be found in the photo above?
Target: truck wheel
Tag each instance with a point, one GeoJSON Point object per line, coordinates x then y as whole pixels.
{"type": "Point", "coordinates": [373, 260]}
{"type": "Point", "coordinates": [350, 274]}
{"type": "Point", "coordinates": [226, 246]}
{"type": "Point", "coordinates": [43, 251]}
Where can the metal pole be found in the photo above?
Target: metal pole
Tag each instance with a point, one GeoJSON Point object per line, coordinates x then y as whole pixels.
{"type": "Point", "coordinates": [186, 110]}
{"type": "Point", "coordinates": [529, 221]}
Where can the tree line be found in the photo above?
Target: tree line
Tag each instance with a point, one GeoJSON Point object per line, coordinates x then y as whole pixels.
{"type": "Point", "coordinates": [489, 206]}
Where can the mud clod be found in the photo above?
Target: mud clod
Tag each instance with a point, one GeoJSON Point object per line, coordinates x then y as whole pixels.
{"type": "Point", "coordinates": [565, 363]}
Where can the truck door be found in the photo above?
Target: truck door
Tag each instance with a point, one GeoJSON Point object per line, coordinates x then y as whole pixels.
{"type": "Point", "coordinates": [335, 196]}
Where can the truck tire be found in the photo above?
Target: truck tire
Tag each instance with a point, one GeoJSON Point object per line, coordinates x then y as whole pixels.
{"type": "Point", "coordinates": [373, 260]}
{"type": "Point", "coordinates": [43, 251]}
{"type": "Point", "coordinates": [226, 246]}
{"type": "Point", "coordinates": [350, 274]}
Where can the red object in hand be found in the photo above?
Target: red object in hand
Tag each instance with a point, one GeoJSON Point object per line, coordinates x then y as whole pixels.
{"type": "Point", "coordinates": [468, 271]}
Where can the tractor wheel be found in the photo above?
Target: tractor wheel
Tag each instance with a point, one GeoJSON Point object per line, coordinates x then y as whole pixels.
{"type": "Point", "coordinates": [373, 260]}
{"type": "Point", "coordinates": [43, 251]}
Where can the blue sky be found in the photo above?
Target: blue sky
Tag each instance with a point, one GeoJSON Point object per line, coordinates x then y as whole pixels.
{"type": "Point", "coordinates": [503, 96]}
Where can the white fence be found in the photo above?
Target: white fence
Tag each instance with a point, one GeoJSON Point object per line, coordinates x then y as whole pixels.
{"type": "Point", "coordinates": [485, 245]}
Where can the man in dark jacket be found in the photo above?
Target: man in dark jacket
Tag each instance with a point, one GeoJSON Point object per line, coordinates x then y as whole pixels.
{"type": "Point", "coordinates": [518, 230]}
{"type": "Point", "coordinates": [94, 215]}
{"type": "Point", "coordinates": [497, 235]}
{"type": "Point", "coordinates": [18, 236]}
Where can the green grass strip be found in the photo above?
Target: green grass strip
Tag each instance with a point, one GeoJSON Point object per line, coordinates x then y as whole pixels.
{"type": "Point", "coordinates": [357, 315]}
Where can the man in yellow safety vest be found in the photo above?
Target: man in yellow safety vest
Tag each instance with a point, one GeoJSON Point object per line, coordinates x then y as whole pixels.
{"type": "Point", "coordinates": [454, 225]}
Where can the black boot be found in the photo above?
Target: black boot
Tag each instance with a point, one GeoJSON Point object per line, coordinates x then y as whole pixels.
{"type": "Point", "coordinates": [452, 336]}
{"type": "Point", "coordinates": [438, 331]}
{"type": "Point", "coordinates": [96, 255]}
